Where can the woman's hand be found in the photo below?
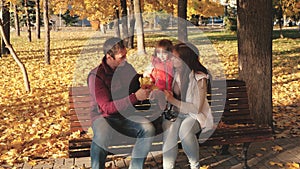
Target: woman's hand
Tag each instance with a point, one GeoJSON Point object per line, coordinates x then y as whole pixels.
{"type": "Point", "coordinates": [169, 95]}
{"type": "Point", "coordinates": [171, 99]}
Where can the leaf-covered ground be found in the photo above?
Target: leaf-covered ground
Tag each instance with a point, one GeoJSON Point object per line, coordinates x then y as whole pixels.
{"type": "Point", "coordinates": [35, 125]}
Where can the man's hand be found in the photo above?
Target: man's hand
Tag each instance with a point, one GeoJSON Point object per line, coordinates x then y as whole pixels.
{"type": "Point", "coordinates": [142, 94]}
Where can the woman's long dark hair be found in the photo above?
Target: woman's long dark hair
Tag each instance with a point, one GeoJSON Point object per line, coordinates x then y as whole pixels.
{"type": "Point", "coordinates": [189, 54]}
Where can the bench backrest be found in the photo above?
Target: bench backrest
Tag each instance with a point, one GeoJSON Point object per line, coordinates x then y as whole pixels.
{"type": "Point", "coordinates": [228, 100]}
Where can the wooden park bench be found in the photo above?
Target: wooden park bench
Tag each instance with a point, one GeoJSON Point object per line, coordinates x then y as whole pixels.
{"type": "Point", "coordinates": [235, 125]}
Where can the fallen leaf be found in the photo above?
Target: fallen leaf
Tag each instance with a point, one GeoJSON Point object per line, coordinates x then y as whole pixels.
{"type": "Point", "coordinates": [277, 148]}
{"type": "Point", "coordinates": [292, 165]}
{"type": "Point", "coordinates": [204, 167]}
{"type": "Point", "coordinates": [272, 163]}
{"type": "Point", "coordinates": [263, 149]}
{"type": "Point", "coordinates": [258, 154]}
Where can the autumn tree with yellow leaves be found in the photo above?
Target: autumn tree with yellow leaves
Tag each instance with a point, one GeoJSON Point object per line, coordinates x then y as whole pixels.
{"type": "Point", "coordinates": [206, 8]}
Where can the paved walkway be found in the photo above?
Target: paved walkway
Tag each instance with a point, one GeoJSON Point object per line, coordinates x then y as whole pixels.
{"type": "Point", "coordinates": [264, 155]}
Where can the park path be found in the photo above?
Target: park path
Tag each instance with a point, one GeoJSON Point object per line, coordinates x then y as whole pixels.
{"type": "Point", "coordinates": [262, 155]}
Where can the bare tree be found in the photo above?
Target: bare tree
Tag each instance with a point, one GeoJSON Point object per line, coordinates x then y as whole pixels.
{"type": "Point", "coordinates": [16, 19]}
{"type": "Point", "coordinates": [117, 22]}
{"type": "Point", "coordinates": [27, 20]}
{"type": "Point", "coordinates": [139, 27]}
{"type": "Point", "coordinates": [182, 24]}
{"type": "Point", "coordinates": [5, 16]}
{"type": "Point", "coordinates": [14, 55]}
{"type": "Point", "coordinates": [132, 23]}
{"type": "Point", "coordinates": [255, 56]}
{"type": "Point", "coordinates": [47, 32]}
{"type": "Point", "coordinates": [37, 19]}
{"type": "Point", "coordinates": [124, 21]}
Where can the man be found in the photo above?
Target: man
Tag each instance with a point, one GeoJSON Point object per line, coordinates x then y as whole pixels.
{"type": "Point", "coordinates": [114, 88]}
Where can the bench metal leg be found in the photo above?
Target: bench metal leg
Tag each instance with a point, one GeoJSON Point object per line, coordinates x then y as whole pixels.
{"type": "Point", "coordinates": [244, 155]}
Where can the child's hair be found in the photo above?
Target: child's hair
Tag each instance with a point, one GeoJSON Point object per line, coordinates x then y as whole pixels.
{"type": "Point", "coordinates": [164, 43]}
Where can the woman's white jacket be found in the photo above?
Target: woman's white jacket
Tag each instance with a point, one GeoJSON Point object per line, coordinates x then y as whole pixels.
{"type": "Point", "coordinates": [196, 92]}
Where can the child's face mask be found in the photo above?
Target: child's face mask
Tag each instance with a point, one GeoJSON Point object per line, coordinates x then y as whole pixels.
{"type": "Point", "coordinates": [162, 54]}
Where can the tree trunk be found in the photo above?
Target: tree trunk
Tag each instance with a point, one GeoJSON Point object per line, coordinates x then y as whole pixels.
{"type": "Point", "coordinates": [47, 32]}
{"type": "Point", "coordinates": [255, 56]}
{"type": "Point", "coordinates": [37, 22]}
{"type": "Point", "coordinates": [124, 20]}
{"type": "Point", "coordinates": [14, 55]}
{"type": "Point", "coordinates": [132, 23]}
{"type": "Point", "coordinates": [182, 23]}
{"type": "Point", "coordinates": [284, 19]}
{"type": "Point", "coordinates": [27, 20]}
{"type": "Point", "coordinates": [117, 22]}
{"type": "Point", "coordinates": [5, 16]}
{"type": "Point", "coordinates": [139, 27]}
{"type": "Point", "coordinates": [16, 18]}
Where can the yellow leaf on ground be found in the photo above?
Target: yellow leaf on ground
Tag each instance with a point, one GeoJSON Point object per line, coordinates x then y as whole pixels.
{"type": "Point", "coordinates": [204, 167]}
{"type": "Point", "coordinates": [263, 149]}
{"type": "Point", "coordinates": [259, 154]}
{"type": "Point", "coordinates": [75, 134]}
{"type": "Point", "coordinates": [292, 165]}
{"type": "Point", "coordinates": [32, 163]}
{"type": "Point", "coordinates": [272, 163]}
{"type": "Point", "coordinates": [277, 148]}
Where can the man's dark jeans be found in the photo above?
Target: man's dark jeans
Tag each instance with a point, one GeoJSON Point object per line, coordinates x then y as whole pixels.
{"type": "Point", "coordinates": [112, 129]}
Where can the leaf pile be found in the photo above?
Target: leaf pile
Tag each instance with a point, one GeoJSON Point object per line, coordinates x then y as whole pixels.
{"type": "Point", "coordinates": [35, 125]}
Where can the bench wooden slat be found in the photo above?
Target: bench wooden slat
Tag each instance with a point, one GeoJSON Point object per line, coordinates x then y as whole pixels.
{"type": "Point", "coordinates": [79, 118]}
{"type": "Point", "coordinates": [86, 98]}
{"type": "Point", "coordinates": [80, 105]}
{"type": "Point", "coordinates": [78, 128]}
{"type": "Point", "coordinates": [79, 91]}
{"type": "Point", "coordinates": [228, 102]}
{"type": "Point", "coordinates": [79, 153]}
{"type": "Point", "coordinates": [81, 123]}
{"type": "Point", "coordinates": [228, 82]}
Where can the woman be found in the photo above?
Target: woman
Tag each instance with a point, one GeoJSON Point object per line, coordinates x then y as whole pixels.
{"type": "Point", "coordinates": [188, 97]}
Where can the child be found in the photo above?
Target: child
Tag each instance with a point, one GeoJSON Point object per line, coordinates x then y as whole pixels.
{"type": "Point", "coordinates": [162, 72]}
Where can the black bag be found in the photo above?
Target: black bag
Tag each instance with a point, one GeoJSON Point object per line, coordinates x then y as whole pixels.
{"type": "Point", "coordinates": [169, 113]}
